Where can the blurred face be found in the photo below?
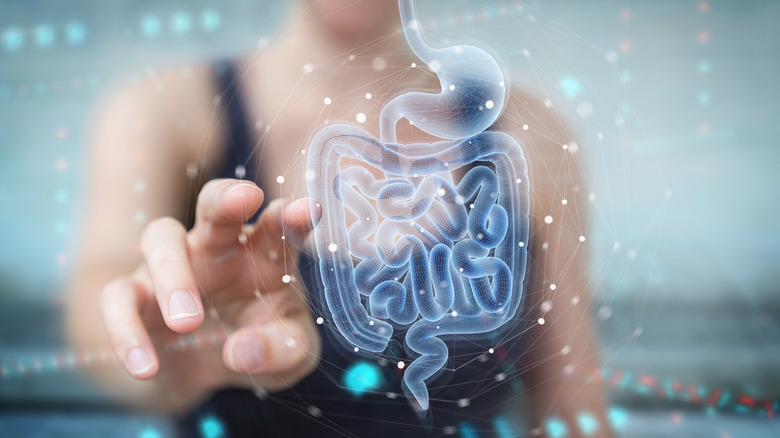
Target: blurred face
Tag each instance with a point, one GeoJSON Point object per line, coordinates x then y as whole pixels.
{"type": "Point", "coordinates": [356, 18]}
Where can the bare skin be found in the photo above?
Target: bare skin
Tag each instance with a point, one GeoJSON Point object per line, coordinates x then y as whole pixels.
{"type": "Point", "coordinates": [151, 279]}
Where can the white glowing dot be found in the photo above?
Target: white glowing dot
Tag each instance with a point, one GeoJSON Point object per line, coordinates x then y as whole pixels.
{"type": "Point", "coordinates": [540, 321]}
{"type": "Point", "coordinates": [526, 52]}
{"type": "Point", "coordinates": [412, 24]}
{"type": "Point", "coordinates": [368, 96]}
{"type": "Point", "coordinates": [553, 286]}
{"type": "Point", "coordinates": [356, 349]}
{"type": "Point", "coordinates": [401, 364]}
{"type": "Point", "coordinates": [565, 350]}
{"type": "Point", "coordinates": [360, 117]}
{"type": "Point", "coordinates": [565, 147]}
{"type": "Point", "coordinates": [489, 104]}
{"type": "Point", "coordinates": [546, 306]}
{"type": "Point", "coordinates": [414, 65]}
{"type": "Point", "coordinates": [379, 63]}
{"type": "Point", "coordinates": [286, 278]}
{"type": "Point", "coordinates": [591, 196]}
{"type": "Point", "coordinates": [320, 320]}
{"type": "Point", "coordinates": [351, 58]}
{"type": "Point", "coordinates": [582, 238]}
{"type": "Point", "coordinates": [435, 65]}
{"type": "Point", "coordinates": [283, 238]}
{"type": "Point", "coordinates": [454, 313]}
{"type": "Point", "coordinates": [605, 312]}
{"type": "Point", "coordinates": [521, 244]}
{"type": "Point", "coordinates": [242, 239]}
{"type": "Point", "coordinates": [332, 247]}
{"type": "Point", "coordinates": [548, 103]}
{"type": "Point", "coordinates": [519, 181]}
{"type": "Point", "coordinates": [441, 192]}
{"type": "Point", "coordinates": [280, 179]}
{"type": "Point", "coordinates": [471, 205]}
{"type": "Point", "coordinates": [308, 68]}
{"type": "Point", "coordinates": [548, 219]}
{"type": "Point", "coordinates": [452, 88]}
{"type": "Point", "coordinates": [464, 402]}
{"type": "Point", "coordinates": [575, 300]}
{"type": "Point", "coordinates": [327, 101]}
{"type": "Point", "coordinates": [616, 246]}
{"type": "Point", "coordinates": [564, 201]}
{"type": "Point", "coordinates": [370, 322]}
{"type": "Point", "coordinates": [461, 269]}
{"type": "Point", "coordinates": [525, 127]}
{"type": "Point", "coordinates": [501, 84]}
{"type": "Point", "coordinates": [303, 151]}
{"type": "Point", "coordinates": [490, 351]}
{"type": "Point", "coordinates": [291, 343]}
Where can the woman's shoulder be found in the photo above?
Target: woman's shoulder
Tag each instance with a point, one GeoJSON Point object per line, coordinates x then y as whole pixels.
{"type": "Point", "coordinates": [176, 105]}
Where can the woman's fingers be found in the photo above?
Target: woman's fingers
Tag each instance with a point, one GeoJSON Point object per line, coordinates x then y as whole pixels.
{"type": "Point", "coordinates": [120, 305]}
{"type": "Point", "coordinates": [223, 207]}
{"type": "Point", "coordinates": [291, 220]}
{"type": "Point", "coordinates": [286, 347]}
{"type": "Point", "coordinates": [164, 246]}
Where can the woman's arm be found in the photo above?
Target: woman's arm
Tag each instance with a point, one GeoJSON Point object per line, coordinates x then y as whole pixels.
{"type": "Point", "coordinates": [563, 352]}
{"type": "Point", "coordinates": [141, 143]}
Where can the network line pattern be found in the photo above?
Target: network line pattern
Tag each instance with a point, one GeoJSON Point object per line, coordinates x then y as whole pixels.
{"type": "Point", "coordinates": [436, 245]}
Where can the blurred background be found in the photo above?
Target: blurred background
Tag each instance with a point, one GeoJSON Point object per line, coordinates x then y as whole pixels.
{"type": "Point", "coordinates": [672, 108]}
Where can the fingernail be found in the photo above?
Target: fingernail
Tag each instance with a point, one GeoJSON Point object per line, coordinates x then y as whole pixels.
{"type": "Point", "coordinates": [139, 361]}
{"type": "Point", "coordinates": [241, 185]}
{"type": "Point", "coordinates": [182, 305]}
{"type": "Point", "coordinates": [247, 354]}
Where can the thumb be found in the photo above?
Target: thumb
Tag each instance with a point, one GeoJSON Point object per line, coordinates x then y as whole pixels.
{"type": "Point", "coordinates": [282, 346]}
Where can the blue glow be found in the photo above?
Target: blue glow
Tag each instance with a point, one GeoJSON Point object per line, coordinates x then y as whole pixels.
{"type": "Point", "coordinates": [571, 87]}
{"type": "Point", "coordinates": [151, 25]}
{"type": "Point", "coordinates": [704, 98]}
{"type": "Point", "coordinates": [210, 20]}
{"type": "Point", "coordinates": [150, 432]}
{"type": "Point", "coordinates": [467, 430]}
{"type": "Point", "coordinates": [618, 417]}
{"type": "Point", "coordinates": [503, 428]}
{"type": "Point", "coordinates": [435, 254]}
{"type": "Point", "coordinates": [704, 67]}
{"type": "Point", "coordinates": [362, 377]}
{"type": "Point", "coordinates": [13, 39]}
{"type": "Point", "coordinates": [211, 427]}
{"type": "Point", "coordinates": [44, 36]}
{"type": "Point", "coordinates": [587, 423]}
{"type": "Point", "coordinates": [555, 428]}
{"type": "Point", "coordinates": [75, 33]}
{"type": "Point", "coordinates": [181, 23]}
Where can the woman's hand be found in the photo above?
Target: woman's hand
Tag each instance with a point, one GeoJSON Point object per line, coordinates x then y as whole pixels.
{"type": "Point", "coordinates": [244, 274]}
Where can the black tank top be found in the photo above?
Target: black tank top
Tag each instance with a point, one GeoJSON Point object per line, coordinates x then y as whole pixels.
{"type": "Point", "coordinates": [323, 404]}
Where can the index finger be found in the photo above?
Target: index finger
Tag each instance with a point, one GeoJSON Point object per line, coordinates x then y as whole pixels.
{"type": "Point", "coordinates": [223, 207]}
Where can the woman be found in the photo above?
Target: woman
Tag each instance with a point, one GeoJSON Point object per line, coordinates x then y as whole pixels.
{"type": "Point", "coordinates": [159, 143]}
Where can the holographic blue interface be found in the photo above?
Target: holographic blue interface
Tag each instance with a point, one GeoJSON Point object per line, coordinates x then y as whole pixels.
{"type": "Point", "coordinates": [428, 237]}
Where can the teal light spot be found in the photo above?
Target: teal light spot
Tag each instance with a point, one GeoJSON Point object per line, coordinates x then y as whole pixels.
{"type": "Point", "coordinates": [151, 26]}
{"type": "Point", "coordinates": [503, 427]}
{"type": "Point", "coordinates": [181, 23]}
{"type": "Point", "coordinates": [704, 67]}
{"type": "Point", "coordinates": [210, 20]}
{"type": "Point", "coordinates": [467, 430]}
{"type": "Point", "coordinates": [61, 196]}
{"type": "Point", "coordinates": [362, 377]}
{"type": "Point", "coordinates": [704, 98]}
{"type": "Point", "coordinates": [556, 428]}
{"type": "Point", "coordinates": [625, 77]}
{"type": "Point", "coordinates": [75, 33]}
{"type": "Point", "coordinates": [587, 423]}
{"type": "Point", "coordinates": [211, 427]}
{"type": "Point", "coordinates": [150, 432]}
{"type": "Point", "coordinates": [618, 418]}
{"type": "Point", "coordinates": [571, 87]}
{"type": "Point", "coordinates": [44, 36]}
{"type": "Point", "coordinates": [13, 39]}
